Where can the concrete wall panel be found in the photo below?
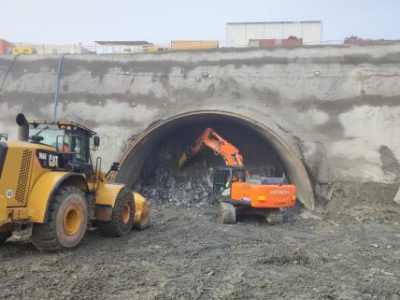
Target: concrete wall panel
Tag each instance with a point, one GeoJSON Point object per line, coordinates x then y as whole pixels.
{"type": "Point", "coordinates": [339, 104]}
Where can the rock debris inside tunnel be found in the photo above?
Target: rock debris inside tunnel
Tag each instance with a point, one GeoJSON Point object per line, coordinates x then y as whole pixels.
{"type": "Point", "coordinates": [162, 181]}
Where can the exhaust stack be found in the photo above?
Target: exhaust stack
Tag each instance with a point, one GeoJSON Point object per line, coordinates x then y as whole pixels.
{"type": "Point", "coordinates": [23, 127]}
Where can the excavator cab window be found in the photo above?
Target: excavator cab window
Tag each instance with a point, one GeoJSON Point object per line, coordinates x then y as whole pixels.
{"type": "Point", "coordinates": [238, 174]}
{"type": "Point", "coordinates": [224, 177]}
{"type": "Point", "coordinates": [221, 181]}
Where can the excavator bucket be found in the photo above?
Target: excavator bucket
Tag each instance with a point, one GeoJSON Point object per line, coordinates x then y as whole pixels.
{"type": "Point", "coordinates": [182, 160]}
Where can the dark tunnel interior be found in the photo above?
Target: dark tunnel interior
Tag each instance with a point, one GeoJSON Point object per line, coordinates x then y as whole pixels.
{"type": "Point", "coordinates": [161, 180]}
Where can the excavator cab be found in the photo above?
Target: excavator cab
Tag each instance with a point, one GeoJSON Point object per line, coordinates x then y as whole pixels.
{"type": "Point", "coordinates": [223, 179]}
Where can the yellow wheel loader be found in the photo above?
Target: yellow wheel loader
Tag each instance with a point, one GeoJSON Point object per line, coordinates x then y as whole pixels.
{"type": "Point", "coordinates": [50, 186]}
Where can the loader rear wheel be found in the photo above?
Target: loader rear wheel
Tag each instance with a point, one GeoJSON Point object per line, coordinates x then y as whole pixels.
{"type": "Point", "coordinates": [122, 215]}
{"type": "Point", "coordinates": [4, 236]}
{"type": "Point", "coordinates": [227, 213]}
{"type": "Point", "coordinates": [67, 221]}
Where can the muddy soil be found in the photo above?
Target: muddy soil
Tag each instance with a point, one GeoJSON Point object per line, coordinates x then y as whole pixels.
{"type": "Point", "coordinates": [188, 254]}
{"type": "Point", "coordinates": [350, 249]}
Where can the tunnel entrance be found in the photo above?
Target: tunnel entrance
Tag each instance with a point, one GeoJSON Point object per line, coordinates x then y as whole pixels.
{"type": "Point", "coordinates": [150, 162]}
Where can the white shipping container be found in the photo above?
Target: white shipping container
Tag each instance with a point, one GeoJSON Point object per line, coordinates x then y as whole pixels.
{"type": "Point", "coordinates": [239, 34]}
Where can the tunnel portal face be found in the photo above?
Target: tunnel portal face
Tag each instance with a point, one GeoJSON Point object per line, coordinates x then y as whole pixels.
{"type": "Point", "coordinates": [150, 162]}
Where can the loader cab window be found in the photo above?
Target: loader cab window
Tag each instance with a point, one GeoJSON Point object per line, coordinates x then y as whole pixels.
{"type": "Point", "coordinates": [74, 148]}
{"type": "Point", "coordinates": [69, 143]}
{"type": "Point", "coordinates": [45, 134]}
{"type": "Point", "coordinates": [80, 142]}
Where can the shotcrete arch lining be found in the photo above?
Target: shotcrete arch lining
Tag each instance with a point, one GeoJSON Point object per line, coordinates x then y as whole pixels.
{"type": "Point", "coordinates": [135, 155]}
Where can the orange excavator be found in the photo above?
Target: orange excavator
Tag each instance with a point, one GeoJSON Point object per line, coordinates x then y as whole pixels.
{"type": "Point", "coordinates": [233, 187]}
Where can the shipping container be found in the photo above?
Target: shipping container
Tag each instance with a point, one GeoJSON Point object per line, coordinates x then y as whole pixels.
{"type": "Point", "coordinates": [150, 49]}
{"type": "Point", "coordinates": [292, 42]}
{"type": "Point", "coordinates": [253, 43]}
{"type": "Point", "coordinates": [272, 43]}
{"type": "Point", "coordinates": [22, 50]}
{"type": "Point", "coordinates": [268, 43]}
{"type": "Point", "coordinates": [5, 47]}
{"type": "Point", "coordinates": [239, 34]}
{"type": "Point", "coordinates": [194, 45]}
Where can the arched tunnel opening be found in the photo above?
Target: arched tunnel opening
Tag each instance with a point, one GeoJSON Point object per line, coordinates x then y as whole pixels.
{"type": "Point", "coordinates": [149, 164]}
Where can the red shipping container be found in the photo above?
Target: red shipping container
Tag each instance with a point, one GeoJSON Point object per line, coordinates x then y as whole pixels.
{"type": "Point", "coordinates": [5, 47]}
{"type": "Point", "coordinates": [267, 43]}
{"type": "Point", "coordinates": [292, 42]}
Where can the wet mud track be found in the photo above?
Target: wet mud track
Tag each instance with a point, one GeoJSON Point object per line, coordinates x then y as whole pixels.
{"type": "Point", "coordinates": [188, 254]}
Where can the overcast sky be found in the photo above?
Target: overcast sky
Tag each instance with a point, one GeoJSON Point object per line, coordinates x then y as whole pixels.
{"type": "Point", "coordinates": [73, 21]}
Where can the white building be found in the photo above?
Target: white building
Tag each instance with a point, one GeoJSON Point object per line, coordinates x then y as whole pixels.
{"type": "Point", "coordinates": [239, 34]}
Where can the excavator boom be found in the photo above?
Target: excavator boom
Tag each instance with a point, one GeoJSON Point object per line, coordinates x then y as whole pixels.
{"type": "Point", "coordinates": [218, 144]}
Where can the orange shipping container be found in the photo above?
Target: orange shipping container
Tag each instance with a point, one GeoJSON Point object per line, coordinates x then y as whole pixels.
{"type": "Point", "coordinates": [150, 49]}
{"type": "Point", "coordinates": [194, 45]}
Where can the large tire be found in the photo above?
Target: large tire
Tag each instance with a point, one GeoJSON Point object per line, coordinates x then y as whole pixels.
{"type": "Point", "coordinates": [122, 215]}
{"type": "Point", "coordinates": [67, 222]}
{"type": "Point", "coordinates": [227, 213]}
{"type": "Point", "coordinates": [4, 236]}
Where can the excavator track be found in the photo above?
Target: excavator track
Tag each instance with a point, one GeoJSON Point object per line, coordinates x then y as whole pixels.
{"type": "Point", "coordinates": [274, 216]}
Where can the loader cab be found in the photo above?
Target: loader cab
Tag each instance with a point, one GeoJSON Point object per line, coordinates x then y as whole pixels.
{"type": "Point", "coordinates": [71, 142]}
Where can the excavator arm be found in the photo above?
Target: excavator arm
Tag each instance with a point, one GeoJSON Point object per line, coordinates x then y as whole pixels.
{"type": "Point", "coordinates": [215, 142]}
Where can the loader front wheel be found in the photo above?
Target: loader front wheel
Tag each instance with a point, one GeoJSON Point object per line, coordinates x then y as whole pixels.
{"type": "Point", "coordinates": [122, 216]}
{"type": "Point", "coordinates": [227, 213]}
{"type": "Point", "coordinates": [67, 221]}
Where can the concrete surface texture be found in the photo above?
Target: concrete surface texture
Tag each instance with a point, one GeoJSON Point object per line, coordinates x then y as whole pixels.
{"type": "Point", "coordinates": [330, 112]}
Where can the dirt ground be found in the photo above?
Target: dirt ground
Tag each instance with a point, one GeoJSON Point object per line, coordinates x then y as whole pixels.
{"type": "Point", "coordinates": [348, 249]}
{"type": "Point", "coordinates": [188, 254]}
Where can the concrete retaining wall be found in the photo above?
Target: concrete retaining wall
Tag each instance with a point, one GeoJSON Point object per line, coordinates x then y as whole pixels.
{"type": "Point", "coordinates": [339, 104]}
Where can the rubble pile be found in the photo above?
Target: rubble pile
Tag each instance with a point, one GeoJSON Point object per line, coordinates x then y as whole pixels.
{"type": "Point", "coordinates": [163, 182]}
